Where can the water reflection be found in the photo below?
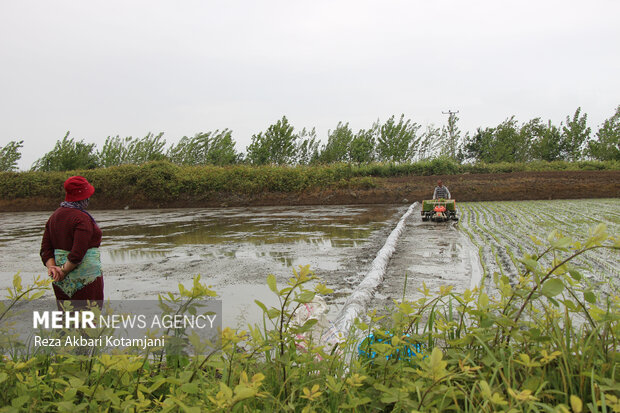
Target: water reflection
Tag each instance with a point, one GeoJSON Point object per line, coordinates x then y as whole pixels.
{"type": "Point", "coordinates": [283, 258]}
{"type": "Point", "coordinates": [213, 230]}
{"type": "Point", "coordinates": [231, 233]}
{"type": "Point", "coordinates": [124, 255]}
{"type": "Point", "coordinates": [240, 232]}
{"type": "Point", "coordinates": [118, 253]}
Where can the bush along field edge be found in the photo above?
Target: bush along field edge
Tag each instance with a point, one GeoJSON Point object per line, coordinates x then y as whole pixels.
{"type": "Point", "coordinates": [162, 182]}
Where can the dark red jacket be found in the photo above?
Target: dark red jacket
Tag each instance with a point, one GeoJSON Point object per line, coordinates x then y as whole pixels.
{"type": "Point", "coordinates": [72, 230]}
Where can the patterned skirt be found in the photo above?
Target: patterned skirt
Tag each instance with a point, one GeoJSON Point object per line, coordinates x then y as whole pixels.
{"type": "Point", "coordinates": [85, 280]}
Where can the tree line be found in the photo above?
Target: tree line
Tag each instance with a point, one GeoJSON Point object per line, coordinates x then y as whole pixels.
{"type": "Point", "coordinates": [397, 140]}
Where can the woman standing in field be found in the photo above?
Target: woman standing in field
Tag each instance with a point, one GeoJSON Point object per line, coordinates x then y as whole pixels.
{"type": "Point", "coordinates": [70, 246]}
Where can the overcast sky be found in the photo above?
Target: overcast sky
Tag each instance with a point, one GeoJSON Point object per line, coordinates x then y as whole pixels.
{"type": "Point", "coordinates": [106, 68]}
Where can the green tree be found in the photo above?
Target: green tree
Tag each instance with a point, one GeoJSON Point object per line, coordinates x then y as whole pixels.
{"type": "Point", "coordinates": [606, 146]}
{"type": "Point", "coordinates": [398, 140]}
{"type": "Point", "coordinates": [575, 136]}
{"type": "Point", "coordinates": [480, 146]}
{"type": "Point", "coordinates": [212, 148]}
{"type": "Point", "coordinates": [503, 143]}
{"type": "Point", "coordinates": [222, 149]}
{"type": "Point", "coordinates": [510, 145]}
{"type": "Point", "coordinates": [9, 155]}
{"type": "Point", "coordinates": [258, 153]}
{"type": "Point", "coordinates": [68, 155]}
{"type": "Point", "coordinates": [451, 137]}
{"type": "Point", "coordinates": [430, 143]}
{"type": "Point", "coordinates": [338, 144]}
{"type": "Point", "coordinates": [362, 147]}
{"type": "Point", "coordinates": [184, 151]}
{"type": "Point", "coordinates": [307, 147]}
{"type": "Point", "coordinates": [149, 148]}
{"type": "Point", "coordinates": [129, 150]}
{"type": "Point", "coordinates": [529, 133]}
{"type": "Point", "coordinates": [275, 146]}
{"type": "Point", "coordinates": [546, 140]}
{"type": "Point", "coordinates": [115, 151]}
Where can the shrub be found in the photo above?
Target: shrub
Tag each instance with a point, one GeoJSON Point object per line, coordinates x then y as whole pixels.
{"type": "Point", "coordinates": [162, 180]}
{"type": "Point", "coordinates": [159, 181]}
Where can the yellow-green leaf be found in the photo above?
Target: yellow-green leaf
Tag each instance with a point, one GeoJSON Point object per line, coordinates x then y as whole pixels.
{"type": "Point", "coordinates": [483, 300]}
{"type": "Point", "coordinates": [552, 287]}
{"type": "Point", "coordinates": [590, 297]}
{"type": "Point", "coordinates": [271, 282]}
{"type": "Point", "coordinates": [576, 404]}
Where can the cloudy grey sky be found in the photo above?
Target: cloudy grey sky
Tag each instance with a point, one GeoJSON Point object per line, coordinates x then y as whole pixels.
{"type": "Point", "coordinates": [106, 68]}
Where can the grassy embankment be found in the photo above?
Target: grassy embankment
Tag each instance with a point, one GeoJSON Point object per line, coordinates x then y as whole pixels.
{"type": "Point", "coordinates": [162, 182]}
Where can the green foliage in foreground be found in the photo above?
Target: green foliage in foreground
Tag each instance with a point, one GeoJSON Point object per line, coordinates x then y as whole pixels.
{"type": "Point", "coordinates": [545, 342]}
{"type": "Point", "coordinates": [164, 181]}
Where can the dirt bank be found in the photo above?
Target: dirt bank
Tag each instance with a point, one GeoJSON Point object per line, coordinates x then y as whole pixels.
{"type": "Point", "coordinates": [467, 187]}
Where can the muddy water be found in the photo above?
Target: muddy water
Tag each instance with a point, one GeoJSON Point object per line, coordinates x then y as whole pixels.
{"type": "Point", "coordinates": [432, 254]}
{"type": "Point", "coordinates": [146, 252]}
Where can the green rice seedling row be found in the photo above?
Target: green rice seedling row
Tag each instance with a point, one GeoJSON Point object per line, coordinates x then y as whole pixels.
{"type": "Point", "coordinates": [504, 230]}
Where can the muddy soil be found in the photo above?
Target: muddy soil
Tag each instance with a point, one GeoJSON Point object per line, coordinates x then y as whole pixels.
{"type": "Point", "coordinates": [148, 252]}
{"type": "Point", "coordinates": [428, 254]}
{"type": "Point", "coordinates": [397, 190]}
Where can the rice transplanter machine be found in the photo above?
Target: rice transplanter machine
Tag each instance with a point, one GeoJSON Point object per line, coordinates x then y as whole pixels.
{"type": "Point", "coordinates": [439, 210]}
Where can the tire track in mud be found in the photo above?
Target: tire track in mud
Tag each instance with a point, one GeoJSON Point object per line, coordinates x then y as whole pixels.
{"type": "Point", "coordinates": [359, 300]}
{"type": "Point", "coordinates": [434, 254]}
{"type": "Point", "coordinates": [424, 253]}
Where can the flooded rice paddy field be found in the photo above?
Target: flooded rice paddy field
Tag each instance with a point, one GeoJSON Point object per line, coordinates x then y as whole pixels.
{"type": "Point", "coordinates": [147, 252]}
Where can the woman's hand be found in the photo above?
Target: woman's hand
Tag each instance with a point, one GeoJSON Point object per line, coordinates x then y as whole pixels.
{"type": "Point", "coordinates": [56, 273]}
